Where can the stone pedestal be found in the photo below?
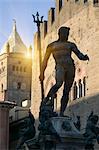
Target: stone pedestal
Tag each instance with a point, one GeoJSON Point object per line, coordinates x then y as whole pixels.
{"type": "Point", "coordinates": [4, 124]}
{"type": "Point", "coordinates": [71, 138]}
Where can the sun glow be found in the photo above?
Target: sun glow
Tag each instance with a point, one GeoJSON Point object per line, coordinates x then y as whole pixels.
{"type": "Point", "coordinates": [29, 53]}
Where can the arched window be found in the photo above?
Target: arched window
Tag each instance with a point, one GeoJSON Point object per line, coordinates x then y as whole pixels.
{"type": "Point", "coordinates": [17, 68]}
{"type": "Point", "coordinates": [80, 88]}
{"type": "Point", "coordinates": [19, 85]}
{"type": "Point", "coordinates": [95, 1]}
{"type": "Point", "coordinates": [24, 69]}
{"type": "Point", "coordinates": [21, 69]}
{"type": "Point", "coordinates": [75, 91]}
{"type": "Point", "coordinates": [13, 68]}
{"type": "Point", "coordinates": [3, 68]}
{"type": "Point", "coordinates": [84, 86]}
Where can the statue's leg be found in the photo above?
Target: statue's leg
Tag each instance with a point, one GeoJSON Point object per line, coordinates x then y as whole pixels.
{"type": "Point", "coordinates": [59, 81]}
{"type": "Point", "coordinates": [69, 78]}
{"type": "Point", "coordinates": [53, 91]}
{"type": "Point", "coordinates": [64, 99]}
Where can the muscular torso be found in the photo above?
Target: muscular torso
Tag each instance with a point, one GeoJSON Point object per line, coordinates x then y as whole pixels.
{"type": "Point", "coordinates": [61, 52]}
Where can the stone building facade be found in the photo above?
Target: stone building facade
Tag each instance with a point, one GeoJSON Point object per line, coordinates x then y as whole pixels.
{"type": "Point", "coordinates": [15, 70]}
{"type": "Point", "coordinates": [83, 19]}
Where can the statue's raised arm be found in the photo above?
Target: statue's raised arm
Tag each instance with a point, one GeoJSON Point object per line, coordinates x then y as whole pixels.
{"type": "Point", "coordinates": [80, 55]}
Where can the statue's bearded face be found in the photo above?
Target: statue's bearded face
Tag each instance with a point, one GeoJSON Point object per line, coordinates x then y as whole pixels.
{"type": "Point", "coordinates": [63, 33]}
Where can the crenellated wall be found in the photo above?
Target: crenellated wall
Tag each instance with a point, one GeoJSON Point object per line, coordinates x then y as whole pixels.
{"type": "Point", "coordinates": [69, 8]}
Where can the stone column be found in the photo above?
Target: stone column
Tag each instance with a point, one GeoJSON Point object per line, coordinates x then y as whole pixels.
{"type": "Point", "coordinates": [5, 106]}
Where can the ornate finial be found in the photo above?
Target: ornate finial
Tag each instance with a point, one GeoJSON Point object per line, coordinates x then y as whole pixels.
{"type": "Point", "coordinates": [14, 21]}
{"type": "Point", "coordinates": [14, 25]}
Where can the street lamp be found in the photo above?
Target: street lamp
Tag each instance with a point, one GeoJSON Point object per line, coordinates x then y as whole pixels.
{"type": "Point", "coordinates": [38, 22]}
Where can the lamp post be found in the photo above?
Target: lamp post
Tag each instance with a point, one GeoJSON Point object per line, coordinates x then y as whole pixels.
{"type": "Point", "coordinates": [38, 22]}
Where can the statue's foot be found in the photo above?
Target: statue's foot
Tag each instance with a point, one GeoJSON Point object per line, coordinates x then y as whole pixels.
{"type": "Point", "coordinates": [62, 115]}
{"type": "Point", "coordinates": [45, 100]}
{"type": "Point", "coordinates": [48, 101]}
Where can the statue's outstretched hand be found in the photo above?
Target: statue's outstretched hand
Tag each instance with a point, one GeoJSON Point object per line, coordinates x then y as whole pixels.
{"type": "Point", "coordinates": [86, 57]}
{"type": "Point", "coordinates": [41, 77]}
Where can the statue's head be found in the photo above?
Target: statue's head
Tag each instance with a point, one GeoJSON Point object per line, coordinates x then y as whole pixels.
{"type": "Point", "coordinates": [63, 33]}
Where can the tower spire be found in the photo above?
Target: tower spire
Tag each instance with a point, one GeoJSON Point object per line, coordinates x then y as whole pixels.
{"type": "Point", "coordinates": [14, 25]}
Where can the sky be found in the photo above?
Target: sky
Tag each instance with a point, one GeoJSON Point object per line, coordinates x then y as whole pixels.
{"type": "Point", "coordinates": [21, 11]}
